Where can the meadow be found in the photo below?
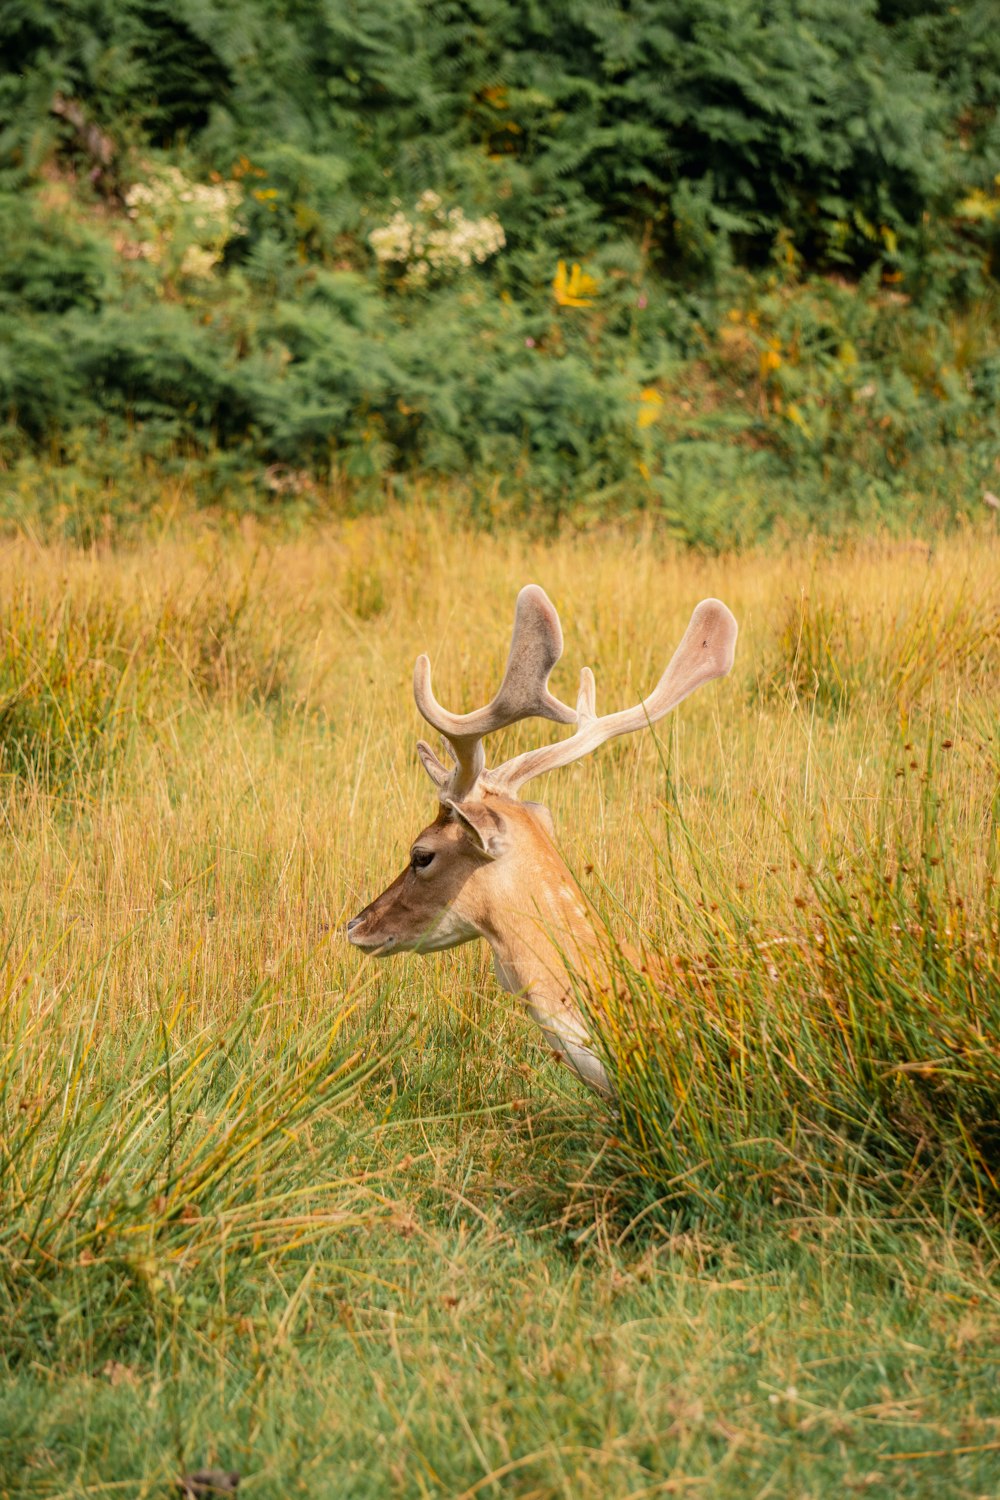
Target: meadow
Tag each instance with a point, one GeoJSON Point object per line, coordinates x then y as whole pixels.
{"type": "Point", "coordinates": [344, 1226]}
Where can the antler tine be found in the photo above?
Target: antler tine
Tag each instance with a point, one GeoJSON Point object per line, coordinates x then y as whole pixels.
{"type": "Point", "coordinates": [706, 651]}
{"type": "Point", "coordinates": [535, 647]}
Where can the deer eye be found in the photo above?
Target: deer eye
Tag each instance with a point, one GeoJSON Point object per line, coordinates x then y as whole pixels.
{"type": "Point", "coordinates": [421, 858]}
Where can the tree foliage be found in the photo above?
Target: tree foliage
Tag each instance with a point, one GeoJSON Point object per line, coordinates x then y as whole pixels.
{"type": "Point", "coordinates": [652, 148]}
{"type": "Point", "coordinates": [701, 116]}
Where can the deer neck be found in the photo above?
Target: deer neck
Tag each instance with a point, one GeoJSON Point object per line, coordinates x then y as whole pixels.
{"type": "Point", "coordinates": [539, 943]}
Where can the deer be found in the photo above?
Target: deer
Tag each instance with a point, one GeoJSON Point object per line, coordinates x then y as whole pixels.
{"type": "Point", "coordinates": [488, 865]}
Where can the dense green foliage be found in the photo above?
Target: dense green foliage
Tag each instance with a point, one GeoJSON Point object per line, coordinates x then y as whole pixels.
{"type": "Point", "coordinates": [192, 195]}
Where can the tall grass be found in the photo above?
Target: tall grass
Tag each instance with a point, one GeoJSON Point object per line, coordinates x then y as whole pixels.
{"type": "Point", "coordinates": [844, 1043]}
{"type": "Point", "coordinates": [133, 1158]}
{"type": "Point", "coordinates": [849, 1054]}
{"type": "Point", "coordinates": [272, 1205]}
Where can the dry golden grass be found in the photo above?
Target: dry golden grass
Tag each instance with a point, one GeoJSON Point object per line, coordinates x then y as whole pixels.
{"type": "Point", "coordinates": [271, 784]}
{"type": "Point", "coordinates": [188, 819]}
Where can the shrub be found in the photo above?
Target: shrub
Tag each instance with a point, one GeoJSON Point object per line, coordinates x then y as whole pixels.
{"type": "Point", "coordinates": [211, 250]}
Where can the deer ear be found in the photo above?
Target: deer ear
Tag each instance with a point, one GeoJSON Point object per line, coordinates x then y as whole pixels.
{"type": "Point", "coordinates": [544, 817]}
{"type": "Point", "coordinates": [485, 828]}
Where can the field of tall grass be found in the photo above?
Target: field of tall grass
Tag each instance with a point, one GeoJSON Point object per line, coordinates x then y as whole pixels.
{"type": "Point", "coordinates": [345, 1228]}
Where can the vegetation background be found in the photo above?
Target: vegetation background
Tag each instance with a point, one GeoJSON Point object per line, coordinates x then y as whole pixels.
{"type": "Point", "coordinates": [322, 329]}
{"type": "Point", "coordinates": [744, 250]}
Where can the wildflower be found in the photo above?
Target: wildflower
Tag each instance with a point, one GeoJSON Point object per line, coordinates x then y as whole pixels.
{"type": "Point", "coordinates": [770, 358]}
{"type": "Point", "coordinates": [979, 205]}
{"type": "Point", "coordinates": [183, 223]}
{"type": "Point", "coordinates": [574, 288]}
{"type": "Point", "coordinates": [435, 240]}
{"type": "Point", "coordinates": [197, 261]}
{"type": "Point", "coordinates": [650, 402]}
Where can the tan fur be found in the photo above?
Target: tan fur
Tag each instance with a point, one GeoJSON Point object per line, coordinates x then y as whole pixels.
{"type": "Point", "coordinates": [505, 882]}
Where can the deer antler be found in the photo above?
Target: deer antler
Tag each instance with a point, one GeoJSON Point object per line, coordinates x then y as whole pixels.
{"type": "Point", "coordinates": [535, 647]}
{"type": "Point", "coordinates": [706, 651]}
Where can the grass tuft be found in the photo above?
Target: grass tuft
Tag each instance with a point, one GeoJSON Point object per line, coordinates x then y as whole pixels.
{"type": "Point", "coordinates": [847, 1058]}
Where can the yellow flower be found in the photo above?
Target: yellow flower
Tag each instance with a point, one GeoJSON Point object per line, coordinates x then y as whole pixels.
{"type": "Point", "coordinates": [574, 288]}
{"type": "Point", "coordinates": [794, 415]}
{"type": "Point", "coordinates": [650, 402]}
{"type": "Point", "coordinates": [978, 205]}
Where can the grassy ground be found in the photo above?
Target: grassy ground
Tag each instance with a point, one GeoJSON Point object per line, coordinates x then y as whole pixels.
{"type": "Point", "coordinates": [344, 1227]}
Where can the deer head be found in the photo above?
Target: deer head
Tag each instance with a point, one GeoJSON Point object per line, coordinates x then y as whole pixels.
{"type": "Point", "coordinates": [487, 866]}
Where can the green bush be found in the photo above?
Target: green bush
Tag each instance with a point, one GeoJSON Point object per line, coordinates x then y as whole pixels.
{"type": "Point", "coordinates": [708, 120]}
{"type": "Point", "coordinates": [195, 196]}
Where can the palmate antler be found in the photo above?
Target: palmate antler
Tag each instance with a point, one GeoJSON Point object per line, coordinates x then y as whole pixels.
{"type": "Point", "coordinates": [705, 652]}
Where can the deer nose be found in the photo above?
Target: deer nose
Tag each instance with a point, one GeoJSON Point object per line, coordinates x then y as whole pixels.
{"type": "Point", "coordinates": [352, 924]}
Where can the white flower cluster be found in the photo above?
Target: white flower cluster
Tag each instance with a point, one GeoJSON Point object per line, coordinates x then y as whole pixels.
{"type": "Point", "coordinates": [185, 224]}
{"type": "Point", "coordinates": [435, 240]}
